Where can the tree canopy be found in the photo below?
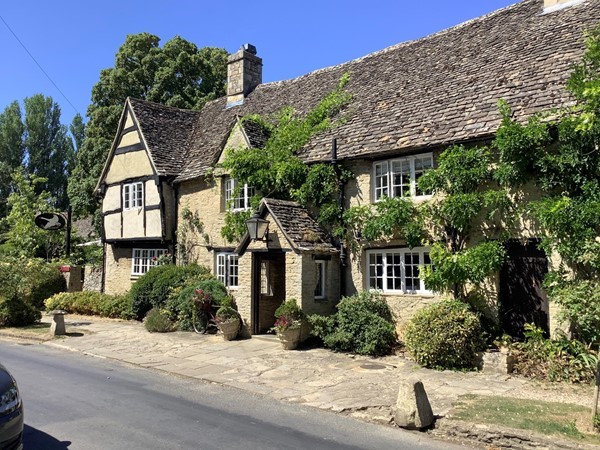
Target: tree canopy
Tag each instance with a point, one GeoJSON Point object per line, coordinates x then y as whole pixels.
{"type": "Point", "coordinates": [177, 74]}
{"type": "Point", "coordinates": [33, 139]}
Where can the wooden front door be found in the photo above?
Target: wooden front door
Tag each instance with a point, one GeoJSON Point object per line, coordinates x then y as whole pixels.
{"type": "Point", "coordinates": [522, 299]}
{"type": "Point", "coordinates": [268, 289]}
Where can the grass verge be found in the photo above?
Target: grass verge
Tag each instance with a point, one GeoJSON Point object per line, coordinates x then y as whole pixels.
{"type": "Point", "coordinates": [548, 418]}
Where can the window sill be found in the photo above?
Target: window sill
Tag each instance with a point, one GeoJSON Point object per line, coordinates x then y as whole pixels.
{"type": "Point", "coordinates": [405, 293]}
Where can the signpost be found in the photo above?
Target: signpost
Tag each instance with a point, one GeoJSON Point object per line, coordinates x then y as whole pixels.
{"type": "Point", "coordinates": [50, 221]}
{"type": "Point", "coordinates": [56, 221]}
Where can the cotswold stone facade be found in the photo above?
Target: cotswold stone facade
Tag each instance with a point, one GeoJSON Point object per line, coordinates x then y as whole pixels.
{"type": "Point", "coordinates": [409, 103]}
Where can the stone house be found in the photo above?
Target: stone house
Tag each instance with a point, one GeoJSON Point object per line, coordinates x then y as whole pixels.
{"type": "Point", "coordinates": [409, 102]}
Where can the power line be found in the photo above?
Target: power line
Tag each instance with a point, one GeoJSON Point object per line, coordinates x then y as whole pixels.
{"type": "Point", "coordinates": [38, 64]}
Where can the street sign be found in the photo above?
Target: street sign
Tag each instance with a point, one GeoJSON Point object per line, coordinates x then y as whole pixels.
{"type": "Point", "coordinates": [50, 221]}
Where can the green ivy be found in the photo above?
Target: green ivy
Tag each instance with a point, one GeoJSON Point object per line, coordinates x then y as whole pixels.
{"type": "Point", "coordinates": [390, 218]}
{"type": "Point", "coordinates": [276, 171]}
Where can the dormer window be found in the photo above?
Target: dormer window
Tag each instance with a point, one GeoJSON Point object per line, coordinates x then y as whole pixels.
{"type": "Point", "coordinates": [237, 196]}
{"type": "Point", "coordinates": [399, 177]}
{"type": "Point", "coordinates": [133, 195]}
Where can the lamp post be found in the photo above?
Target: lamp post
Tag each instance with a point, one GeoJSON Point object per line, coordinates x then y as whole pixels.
{"type": "Point", "coordinates": [257, 227]}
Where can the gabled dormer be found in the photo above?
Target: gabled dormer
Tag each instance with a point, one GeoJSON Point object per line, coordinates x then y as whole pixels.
{"type": "Point", "coordinates": [245, 134]}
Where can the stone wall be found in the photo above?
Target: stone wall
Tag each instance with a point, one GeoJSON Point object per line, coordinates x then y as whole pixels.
{"type": "Point", "coordinates": [204, 198]}
{"type": "Point", "coordinates": [73, 276]}
{"type": "Point", "coordinates": [118, 270]}
{"type": "Point", "coordinates": [308, 302]}
{"type": "Point", "coordinates": [92, 279]}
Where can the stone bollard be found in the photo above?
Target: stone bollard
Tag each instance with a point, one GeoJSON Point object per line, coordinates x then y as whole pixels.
{"type": "Point", "coordinates": [413, 410]}
{"type": "Point", "coordinates": [58, 322]}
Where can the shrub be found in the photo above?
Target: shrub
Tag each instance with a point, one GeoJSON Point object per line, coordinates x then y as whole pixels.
{"type": "Point", "coordinates": [157, 322]}
{"type": "Point", "coordinates": [91, 303]}
{"type": "Point", "coordinates": [31, 280]}
{"type": "Point", "coordinates": [116, 307]}
{"type": "Point", "coordinates": [179, 306]}
{"type": "Point", "coordinates": [363, 324]}
{"type": "Point", "coordinates": [580, 302]}
{"type": "Point", "coordinates": [153, 288]}
{"type": "Point", "coordinates": [445, 335]}
{"type": "Point", "coordinates": [553, 359]}
{"type": "Point", "coordinates": [290, 310]}
{"type": "Point", "coordinates": [46, 280]}
{"type": "Point", "coordinates": [225, 314]}
{"type": "Point", "coordinates": [14, 312]}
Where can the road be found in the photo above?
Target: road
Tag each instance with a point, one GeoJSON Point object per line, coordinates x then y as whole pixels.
{"type": "Point", "coordinates": [73, 401]}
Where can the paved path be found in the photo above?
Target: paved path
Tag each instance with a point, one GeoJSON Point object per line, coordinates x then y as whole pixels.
{"type": "Point", "coordinates": [362, 387]}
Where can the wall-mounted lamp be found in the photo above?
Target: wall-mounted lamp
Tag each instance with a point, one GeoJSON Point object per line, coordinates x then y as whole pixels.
{"type": "Point", "coordinates": [257, 227]}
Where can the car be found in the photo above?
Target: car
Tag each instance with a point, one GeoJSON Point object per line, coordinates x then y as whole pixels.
{"type": "Point", "coordinates": [11, 412]}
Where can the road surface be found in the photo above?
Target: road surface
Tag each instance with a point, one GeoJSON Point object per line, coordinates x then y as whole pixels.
{"type": "Point", "coordinates": [73, 401]}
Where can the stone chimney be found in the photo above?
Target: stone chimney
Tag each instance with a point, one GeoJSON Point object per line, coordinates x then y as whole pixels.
{"type": "Point", "coordinates": [555, 5]}
{"type": "Point", "coordinates": [244, 73]}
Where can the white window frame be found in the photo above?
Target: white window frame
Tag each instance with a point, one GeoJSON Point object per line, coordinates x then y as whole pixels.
{"type": "Point", "coordinates": [391, 263]}
{"type": "Point", "coordinates": [320, 266]}
{"type": "Point", "coordinates": [227, 269]}
{"type": "Point", "coordinates": [383, 172]}
{"type": "Point", "coordinates": [133, 195]}
{"type": "Point", "coordinates": [237, 198]}
{"type": "Point", "coordinates": [143, 259]}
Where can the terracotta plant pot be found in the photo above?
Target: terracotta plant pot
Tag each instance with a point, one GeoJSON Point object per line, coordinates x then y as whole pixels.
{"type": "Point", "coordinates": [289, 338]}
{"type": "Point", "coordinates": [230, 329]}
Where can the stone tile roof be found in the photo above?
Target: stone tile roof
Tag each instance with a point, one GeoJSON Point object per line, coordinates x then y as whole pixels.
{"type": "Point", "coordinates": [426, 93]}
{"type": "Point", "coordinates": [167, 133]}
{"type": "Point", "coordinates": [256, 134]}
{"type": "Point", "coordinates": [301, 230]}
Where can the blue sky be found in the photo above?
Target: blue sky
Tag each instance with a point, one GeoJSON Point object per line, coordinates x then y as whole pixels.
{"type": "Point", "coordinates": [74, 40]}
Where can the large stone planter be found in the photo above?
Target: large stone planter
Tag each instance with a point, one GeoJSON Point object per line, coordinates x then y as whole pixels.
{"type": "Point", "coordinates": [289, 338]}
{"type": "Point", "coordinates": [230, 329]}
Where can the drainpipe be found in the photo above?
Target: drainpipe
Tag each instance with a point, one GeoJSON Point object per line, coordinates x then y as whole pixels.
{"type": "Point", "coordinates": [175, 221]}
{"type": "Point", "coordinates": [341, 186]}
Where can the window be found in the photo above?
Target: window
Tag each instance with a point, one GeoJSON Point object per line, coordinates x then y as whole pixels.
{"type": "Point", "coordinates": [397, 270]}
{"type": "Point", "coordinates": [227, 269]}
{"type": "Point", "coordinates": [320, 280]}
{"type": "Point", "coordinates": [265, 278]}
{"type": "Point", "coordinates": [144, 259]}
{"type": "Point", "coordinates": [399, 177]}
{"type": "Point", "coordinates": [133, 195]}
{"type": "Point", "coordinates": [237, 198]}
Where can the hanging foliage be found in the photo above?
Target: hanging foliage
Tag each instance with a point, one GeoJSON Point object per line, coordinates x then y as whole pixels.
{"type": "Point", "coordinates": [276, 171]}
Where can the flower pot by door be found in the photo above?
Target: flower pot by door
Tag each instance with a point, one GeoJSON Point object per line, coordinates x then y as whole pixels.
{"type": "Point", "coordinates": [230, 329]}
{"type": "Point", "coordinates": [289, 338]}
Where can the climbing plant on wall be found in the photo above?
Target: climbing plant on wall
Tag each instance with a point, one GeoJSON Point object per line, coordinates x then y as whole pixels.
{"type": "Point", "coordinates": [560, 154]}
{"type": "Point", "coordinates": [465, 203]}
{"type": "Point", "coordinates": [276, 170]}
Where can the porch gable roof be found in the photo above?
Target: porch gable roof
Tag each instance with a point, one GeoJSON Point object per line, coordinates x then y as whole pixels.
{"type": "Point", "coordinates": [300, 230]}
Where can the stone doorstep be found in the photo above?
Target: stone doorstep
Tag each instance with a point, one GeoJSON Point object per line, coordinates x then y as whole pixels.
{"type": "Point", "coordinates": [502, 437]}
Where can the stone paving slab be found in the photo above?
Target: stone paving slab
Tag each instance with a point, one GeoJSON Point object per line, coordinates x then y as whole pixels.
{"type": "Point", "coordinates": [363, 387]}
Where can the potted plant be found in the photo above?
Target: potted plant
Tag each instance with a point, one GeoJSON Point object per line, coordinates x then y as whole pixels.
{"type": "Point", "coordinates": [228, 319]}
{"type": "Point", "coordinates": [288, 324]}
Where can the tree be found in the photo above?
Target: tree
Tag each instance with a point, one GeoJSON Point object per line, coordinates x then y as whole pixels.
{"type": "Point", "coordinates": [178, 74]}
{"type": "Point", "coordinates": [48, 147]}
{"type": "Point", "coordinates": [12, 149]}
{"type": "Point", "coordinates": [23, 237]}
